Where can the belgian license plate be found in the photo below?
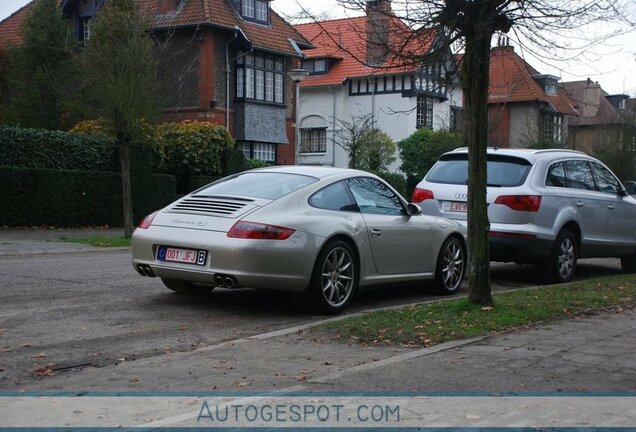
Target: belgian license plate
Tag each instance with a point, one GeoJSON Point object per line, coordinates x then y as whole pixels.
{"type": "Point", "coordinates": [455, 206]}
{"type": "Point", "coordinates": [186, 256]}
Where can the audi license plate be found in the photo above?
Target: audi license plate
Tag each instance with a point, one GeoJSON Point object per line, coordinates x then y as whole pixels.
{"type": "Point", "coordinates": [455, 206]}
{"type": "Point", "coordinates": [186, 256]}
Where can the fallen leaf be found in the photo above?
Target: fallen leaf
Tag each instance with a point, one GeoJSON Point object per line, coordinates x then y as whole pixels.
{"type": "Point", "coordinates": [487, 308]}
{"type": "Point", "coordinates": [39, 355]}
{"type": "Point", "coordinates": [43, 371]}
{"type": "Point", "coordinates": [243, 384]}
{"type": "Point", "coordinates": [473, 417]}
{"type": "Point", "coordinates": [302, 377]}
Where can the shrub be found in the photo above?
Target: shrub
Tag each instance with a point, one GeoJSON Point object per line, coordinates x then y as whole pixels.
{"type": "Point", "coordinates": [255, 163]}
{"type": "Point", "coordinates": [397, 180]}
{"type": "Point", "coordinates": [193, 149]}
{"type": "Point", "coordinates": [422, 149]}
{"type": "Point", "coordinates": [39, 148]}
{"type": "Point", "coordinates": [145, 151]}
{"type": "Point", "coordinates": [377, 151]}
{"type": "Point", "coordinates": [89, 198]}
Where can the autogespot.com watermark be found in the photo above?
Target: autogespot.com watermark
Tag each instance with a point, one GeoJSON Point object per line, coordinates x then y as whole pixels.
{"type": "Point", "coordinates": [333, 411]}
{"type": "Point", "coordinates": [307, 413]}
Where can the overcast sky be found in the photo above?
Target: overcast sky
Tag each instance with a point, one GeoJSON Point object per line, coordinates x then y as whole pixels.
{"type": "Point", "coordinates": [612, 65]}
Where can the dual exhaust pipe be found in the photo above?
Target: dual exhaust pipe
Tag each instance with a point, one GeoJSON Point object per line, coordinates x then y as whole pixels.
{"type": "Point", "coordinates": [225, 281]}
{"type": "Point", "coordinates": [145, 270]}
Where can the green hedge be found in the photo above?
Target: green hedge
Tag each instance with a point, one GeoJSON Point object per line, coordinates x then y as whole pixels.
{"type": "Point", "coordinates": [39, 148]}
{"type": "Point", "coordinates": [67, 198]}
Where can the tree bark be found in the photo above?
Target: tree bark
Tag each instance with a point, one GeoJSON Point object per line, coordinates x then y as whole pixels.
{"type": "Point", "coordinates": [475, 76]}
{"type": "Point", "coordinates": [124, 160]}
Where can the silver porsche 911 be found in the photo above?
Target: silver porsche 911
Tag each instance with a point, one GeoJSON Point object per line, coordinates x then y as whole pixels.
{"type": "Point", "coordinates": [318, 232]}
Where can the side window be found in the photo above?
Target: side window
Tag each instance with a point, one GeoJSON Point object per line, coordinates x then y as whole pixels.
{"type": "Point", "coordinates": [374, 197]}
{"type": "Point", "coordinates": [579, 175]}
{"type": "Point", "coordinates": [334, 197]}
{"type": "Point", "coordinates": [605, 180]}
{"type": "Point", "coordinates": [556, 175]}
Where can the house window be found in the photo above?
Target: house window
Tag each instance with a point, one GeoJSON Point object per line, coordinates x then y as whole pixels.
{"type": "Point", "coordinates": [313, 140]}
{"type": "Point", "coordinates": [424, 114]}
{"type": "Point", "coordinates": [260, 77]}
{"type": "Point", "coordinates": [261, 10]}
{"type": "Point", "coordinates": [247, 8]}
{"type": "Point", "coordinates": [552, 128]}
{"type": "Point", "coordinates": [86, 29]}
{"type": "Point", "coordinates": [257, 10]}
{"type": "Point", "coordinates": [255, 150]}
{"type": "Point", "coordinates": [550, 88]}
{"type": "Point", "coordinates": [454, 123]}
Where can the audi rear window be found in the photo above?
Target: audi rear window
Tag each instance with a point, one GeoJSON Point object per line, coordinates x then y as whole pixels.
{"type": "Point", "coordinates": [503, 171]}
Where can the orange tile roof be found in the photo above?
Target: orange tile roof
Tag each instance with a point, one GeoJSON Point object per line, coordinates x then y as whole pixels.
{"type": "Point", "coordinates": [511, 81]}
{"type": "Point", "coordinates": [345, 41]}
{"type": "Point", "coordinates": [217, 13]}
{"type": "Point", "coordinates": [10, 26]}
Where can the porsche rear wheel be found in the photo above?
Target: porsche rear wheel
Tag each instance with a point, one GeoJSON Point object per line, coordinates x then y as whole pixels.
{"type": "Point", "coordinates": [335, 278]}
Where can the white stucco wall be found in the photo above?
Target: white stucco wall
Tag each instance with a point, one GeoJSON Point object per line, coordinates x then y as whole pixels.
{"type": "Point", "coordinates": [393, 114]}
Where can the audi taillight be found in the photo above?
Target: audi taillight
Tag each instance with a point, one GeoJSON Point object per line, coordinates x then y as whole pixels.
{"type": "Point", "coordinates": [420, 195]}
{"type": "Point", "coordinates": [259, 231]}
{"type": "Point", "coordinates": [528, 203]}
{"type": "Point", "coordinates": [147, 221]}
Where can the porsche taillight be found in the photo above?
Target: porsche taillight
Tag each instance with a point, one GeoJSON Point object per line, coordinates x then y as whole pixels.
{"type": "Point", "coordinates": [147, 221]}
{"type": "Point", "coordinates": [259, 231]}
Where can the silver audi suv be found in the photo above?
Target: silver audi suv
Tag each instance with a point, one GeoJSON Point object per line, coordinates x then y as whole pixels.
{"type": "Point", "coordinates": [545, 207]}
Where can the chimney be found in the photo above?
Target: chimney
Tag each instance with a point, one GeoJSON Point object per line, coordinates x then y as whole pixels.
{"type": "Point", "coordinates": [591, 99]}
{"type": "Point", "coordinates": [167, 6]}
{"type": "Point", "coordinates": [378, 12]}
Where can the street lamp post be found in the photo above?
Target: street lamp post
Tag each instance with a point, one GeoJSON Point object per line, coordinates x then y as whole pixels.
{"type": "Point", "coordinates": [297, 76]}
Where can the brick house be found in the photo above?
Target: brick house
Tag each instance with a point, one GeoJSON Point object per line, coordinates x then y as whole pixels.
{"type": "Point", "coordinates": [525, 108]}
{"type": "Point", "coordinates": [354, 71]}
{"type": "Point", "coordinates": [226, 62]}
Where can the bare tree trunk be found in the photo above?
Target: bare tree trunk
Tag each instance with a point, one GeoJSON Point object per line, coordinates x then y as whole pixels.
{"type": "Point", "coordinates": [475, 75]}
{"type": "Point", "coordinates": [124, 160]}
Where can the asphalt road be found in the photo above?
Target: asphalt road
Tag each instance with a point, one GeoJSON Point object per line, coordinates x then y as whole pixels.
{"type": "Point", "coordinates": [68, 312]}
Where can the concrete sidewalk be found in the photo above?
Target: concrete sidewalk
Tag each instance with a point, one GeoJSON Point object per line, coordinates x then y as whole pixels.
{"type": "Point", "coordinates": [30, 241]}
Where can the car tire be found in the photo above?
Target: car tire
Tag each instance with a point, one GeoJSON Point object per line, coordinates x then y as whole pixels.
{"type": "Point", "coordinates": [334, 279]}
{"type": "Point", "coordinates": [184, 287]}
{"type": "Point", "coordinates": [451, 266]}
{"type": "Point", "coordinates": [628, 263]}
{"type": "Point", "coordinates": [561, 264]}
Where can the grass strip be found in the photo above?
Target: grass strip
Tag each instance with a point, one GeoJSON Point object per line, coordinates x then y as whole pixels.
{"type": "Point", "coordinates": [99, 241]}
{"type": "Point", "coordinates": [437, 322]}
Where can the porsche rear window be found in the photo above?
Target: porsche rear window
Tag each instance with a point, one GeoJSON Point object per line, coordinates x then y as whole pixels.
{"type": "Point", "coordinates": [503, 171]}
{"type": "Point", "coordinates": [267, 185]}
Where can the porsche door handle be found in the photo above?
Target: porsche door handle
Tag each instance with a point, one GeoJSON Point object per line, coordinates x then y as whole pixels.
{"type": "Point", "coordinates": [611, 206]}
{"type": "Point", "coordinates": [580, 204]}
{"type": "Point", "coordinates": [375, 232]}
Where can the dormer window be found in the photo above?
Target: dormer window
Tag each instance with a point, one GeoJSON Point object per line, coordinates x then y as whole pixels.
{"type": "Point", "coordinates": [253, 10]}
{"type": "Point", "coordinates": [549, 83]}
{"type": "Point", "coordinates": [317, 66]}
{"type": "Point", "coordinates": [550, 88]}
